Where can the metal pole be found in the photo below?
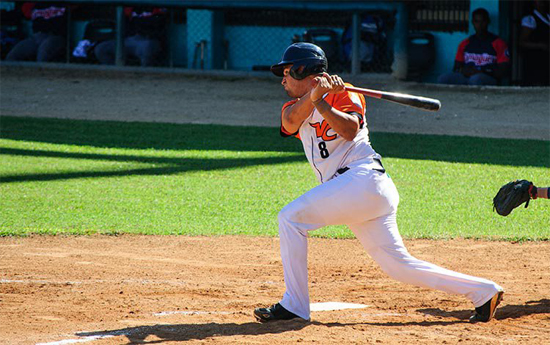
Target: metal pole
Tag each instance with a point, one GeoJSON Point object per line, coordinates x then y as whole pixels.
{"type": "Point", "coordinates": [68, 36]}
{"type": "Point", "coordinates": [170, 39]}
{"type": "Point", "coordinates": [119, 57]}
{"type": "Point", "coordinates": [401, 32]}
{"type": "Point", "coordinates": [356, 37]}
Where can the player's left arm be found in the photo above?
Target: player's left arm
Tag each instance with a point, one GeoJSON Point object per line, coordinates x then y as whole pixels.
{"type": "Point", "coordinates": [503, 59]}
{"type": "Point", "coordinates": [346, 125]}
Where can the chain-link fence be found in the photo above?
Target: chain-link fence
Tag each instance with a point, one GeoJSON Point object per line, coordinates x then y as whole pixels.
{"type": "Point", "coordinates": [190, 37]}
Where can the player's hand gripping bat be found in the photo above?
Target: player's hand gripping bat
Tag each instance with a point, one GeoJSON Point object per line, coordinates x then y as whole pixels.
{"type": "Point", "coordinates": [410, 100]}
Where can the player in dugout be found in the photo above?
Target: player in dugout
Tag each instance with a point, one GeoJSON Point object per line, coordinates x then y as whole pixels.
{"type": "Point", "coordinates": [481, 59]}
{"type": "Point", "coordinates": [49, 28]}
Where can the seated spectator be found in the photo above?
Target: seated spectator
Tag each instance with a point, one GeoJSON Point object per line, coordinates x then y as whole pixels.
{"type": "Point", "coordinates": [534, 41]}
{"type": "Point", "coordinates": [481, 59]}
{"type": "Point", "coordinates": [49, 27]}
{"type": "Point", "coordinates": [144, 40]}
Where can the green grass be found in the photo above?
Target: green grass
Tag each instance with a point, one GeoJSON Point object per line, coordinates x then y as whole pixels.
{"type": "Point", "coordinates": [83, 177]}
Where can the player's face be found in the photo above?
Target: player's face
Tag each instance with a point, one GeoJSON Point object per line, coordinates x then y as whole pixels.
{"type": "Point", "coordinates": [480, 23]}
{"type": "Point", "coordinates": [293, 87]}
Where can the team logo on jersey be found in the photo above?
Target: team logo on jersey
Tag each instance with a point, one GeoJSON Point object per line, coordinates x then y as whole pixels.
{"type": "Point", "coordinates": [321, 129]}
{"type": "Point", "coordinates": [48, 13]}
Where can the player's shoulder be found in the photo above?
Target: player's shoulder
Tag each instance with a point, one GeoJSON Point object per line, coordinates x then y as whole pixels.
{"type": "Point", "coordinates": [498, 42]}
{"type": "Point", "coordinates": [289, 103]}
{"type": "Point", "coordinates": [493, 37]}
{"type": "Point", "coordinates": [347, 101]}
{"type": "Point", "coordinates": [466, 41]}
{"type": "Point", "coordinates": [338, 96]}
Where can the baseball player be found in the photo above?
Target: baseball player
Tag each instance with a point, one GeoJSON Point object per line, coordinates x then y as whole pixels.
{"type": "Point", "coordinates": [49, 25]}
{"type": "Point", "coordinates": [354, 190]}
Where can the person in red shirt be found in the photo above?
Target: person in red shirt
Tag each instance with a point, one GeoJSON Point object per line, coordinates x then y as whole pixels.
{"type": "Point", "coordinates": [49, 26]}
{"type": "Point", "coordinates": [146, 31]}
{"type": "Point", "coordinates": [481, 59]}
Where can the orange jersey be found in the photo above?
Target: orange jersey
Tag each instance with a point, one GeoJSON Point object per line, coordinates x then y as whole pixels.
{"type": "Point", "coordinates": [325, 149]}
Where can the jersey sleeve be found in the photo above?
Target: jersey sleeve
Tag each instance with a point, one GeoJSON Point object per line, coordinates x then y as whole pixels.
{"type": "Point", "coordinates": [502, 50]}
{"type": "Point", "coordinates": [350, 103]}
{"type": "Point", "coordinates": [284, 132]}
{"type": "Point", "coordinates": [460, 51]}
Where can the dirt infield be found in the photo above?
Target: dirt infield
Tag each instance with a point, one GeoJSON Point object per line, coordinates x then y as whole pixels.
{"type": "Point", "coordinates": [148, 289]}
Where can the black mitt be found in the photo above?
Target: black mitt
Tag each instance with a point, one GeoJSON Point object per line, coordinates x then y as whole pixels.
{"type": "Point", "coordinates": [513, 194]}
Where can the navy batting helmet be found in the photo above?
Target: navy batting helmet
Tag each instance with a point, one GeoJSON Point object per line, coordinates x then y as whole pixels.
{"type": "Point", "coordinates": [305, 58]}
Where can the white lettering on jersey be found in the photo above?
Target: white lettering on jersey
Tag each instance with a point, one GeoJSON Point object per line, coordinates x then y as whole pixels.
{"type": "Point", "coordinates": [48, 13]}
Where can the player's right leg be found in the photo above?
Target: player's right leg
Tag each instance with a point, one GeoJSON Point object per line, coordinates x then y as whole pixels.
{"type": "Point", "coordinates": [351, 197]}
{"type": "Point", "coordinates": [23, 51]}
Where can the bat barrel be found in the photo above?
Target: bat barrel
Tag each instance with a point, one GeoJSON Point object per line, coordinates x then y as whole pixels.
{"type": "Point", "coordinates": [413, 101]}
{"type": "Point", "coordinates": [410, 100]}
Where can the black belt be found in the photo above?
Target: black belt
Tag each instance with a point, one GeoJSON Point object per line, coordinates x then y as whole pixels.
{"type": "Point", "coordinates": [344, 169]}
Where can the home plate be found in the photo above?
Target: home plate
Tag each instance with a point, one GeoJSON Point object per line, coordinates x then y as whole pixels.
{"type": "Point", "coordinates": [327, 306]}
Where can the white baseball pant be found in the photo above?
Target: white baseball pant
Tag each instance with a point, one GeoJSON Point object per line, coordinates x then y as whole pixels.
{"type": "Point", "coordinates": [366, 201]}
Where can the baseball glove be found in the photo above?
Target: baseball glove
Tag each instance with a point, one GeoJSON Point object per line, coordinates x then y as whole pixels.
{"type": "Point", "coordinates": [513, 194]}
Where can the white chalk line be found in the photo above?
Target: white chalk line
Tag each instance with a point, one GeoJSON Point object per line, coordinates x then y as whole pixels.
{"type": "Point", "coordinates": [74, 341]}
{"type": "Point", "coordinates": [323, 306]}
{"type": "Point", "coordinates": [97, 281]}
{"type": "Point", "coordinates": [165, 313]}
{"type": "Point", "coordinates": [330, 306]}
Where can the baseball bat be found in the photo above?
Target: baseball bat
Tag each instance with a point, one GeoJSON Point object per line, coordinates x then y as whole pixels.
{"type": "Point", "coordinates": [400, 98]}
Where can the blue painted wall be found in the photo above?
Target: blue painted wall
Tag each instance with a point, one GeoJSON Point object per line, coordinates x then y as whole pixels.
{"type": "Point", "coordinates": [201, 22]}
{"type": "Point", "coordinates": [257, 45]}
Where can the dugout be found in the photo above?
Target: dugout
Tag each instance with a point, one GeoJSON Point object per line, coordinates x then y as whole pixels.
{"type": "Point", "coordinates": [251, 35]}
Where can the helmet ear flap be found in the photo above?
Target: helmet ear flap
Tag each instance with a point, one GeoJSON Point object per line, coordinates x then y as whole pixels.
{"type": "Point", "coordinates": [298, 72]}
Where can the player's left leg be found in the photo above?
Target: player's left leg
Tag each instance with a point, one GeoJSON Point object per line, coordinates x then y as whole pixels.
{"type": "Point", "coordinates": [482, 79]}
{"type": "Point", "coordinates": [381, 238]}
{"type": "Point", "coordinates": [148, 50]}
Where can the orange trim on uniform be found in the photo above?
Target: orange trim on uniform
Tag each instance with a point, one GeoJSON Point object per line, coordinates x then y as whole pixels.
{"type": "Point", "coordinates": [286, 105]}
{"type": "Point", "coordinates": [343, 102]}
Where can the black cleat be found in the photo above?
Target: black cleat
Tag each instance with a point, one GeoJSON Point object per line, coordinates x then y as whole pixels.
{"type": "Point", "coordinates": [487, 311]}
{"type": "Point", "coordinates": [275, 312]}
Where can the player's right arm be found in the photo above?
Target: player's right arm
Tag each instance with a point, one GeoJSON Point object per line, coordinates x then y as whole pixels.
{"type": "Point", "coordinates": [295, 114]}
{"type": "Point", "coordinates": [460, 65]}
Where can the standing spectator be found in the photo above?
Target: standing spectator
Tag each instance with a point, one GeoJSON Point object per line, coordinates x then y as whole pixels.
{"type": "Point", "coordinates": [534, 41]}
{"type": "Point", "coordinates": [145, 35]}
{"type": "Point", "coordinates": [49, 27]}
{"type": "Point", "coordinates": [481, 59]}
